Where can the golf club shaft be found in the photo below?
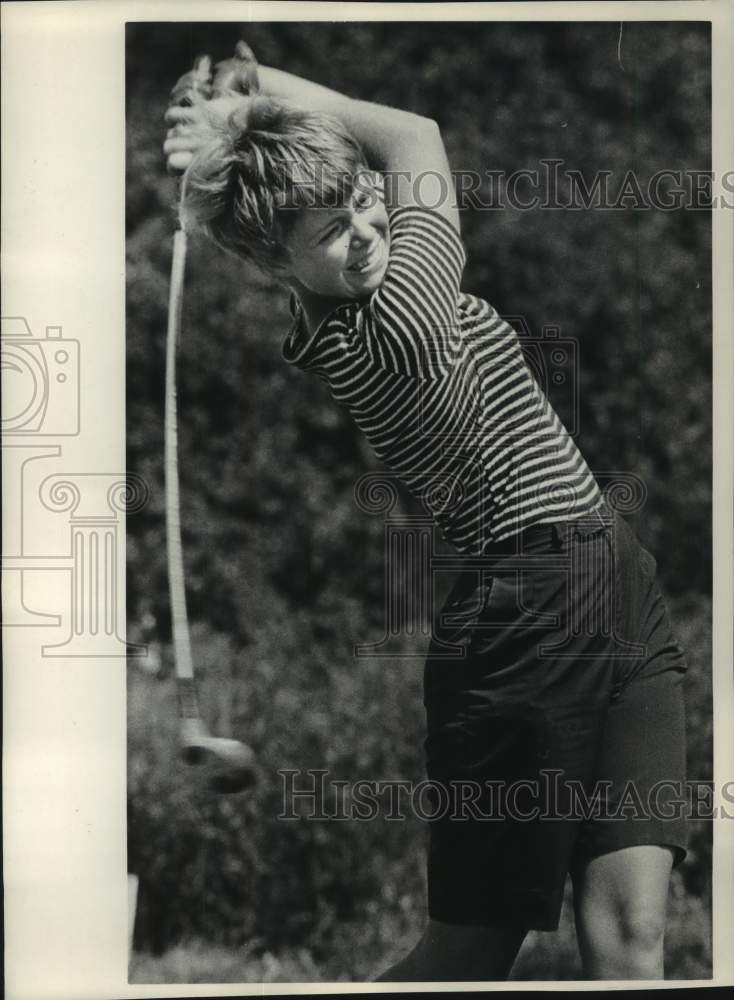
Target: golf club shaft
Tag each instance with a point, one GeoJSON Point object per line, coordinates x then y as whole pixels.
{"type": "Point", "coordinates": [179, 618]}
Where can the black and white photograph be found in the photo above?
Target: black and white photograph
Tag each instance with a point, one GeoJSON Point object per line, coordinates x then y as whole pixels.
{"type": "Point", "coordinates": [409, 569]}
{"type": "Point", "coordinates": [447, 604]}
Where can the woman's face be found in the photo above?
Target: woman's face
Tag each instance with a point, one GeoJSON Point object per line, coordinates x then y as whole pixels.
{"type": "Point", "coordinates": [341, 252]}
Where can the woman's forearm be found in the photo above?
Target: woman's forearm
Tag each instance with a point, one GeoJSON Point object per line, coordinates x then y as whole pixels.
{"type": "Point", "coordinates": [375, 126]}
{"type": "Point", "coordinates": [394, 141]}
{"type": "Point", "coordinates": [405, 146]}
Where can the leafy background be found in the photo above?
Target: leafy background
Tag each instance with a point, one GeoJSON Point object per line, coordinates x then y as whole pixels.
{"type": "Point", "coordinates": [285, 573]}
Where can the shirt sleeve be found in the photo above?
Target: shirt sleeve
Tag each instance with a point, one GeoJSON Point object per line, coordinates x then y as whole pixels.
{"type": "Point", "coordinates": [411, 321]}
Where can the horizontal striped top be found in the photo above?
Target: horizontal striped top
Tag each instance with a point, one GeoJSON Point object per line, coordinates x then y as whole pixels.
{"type": "Point", "coordinates": [439, 384]}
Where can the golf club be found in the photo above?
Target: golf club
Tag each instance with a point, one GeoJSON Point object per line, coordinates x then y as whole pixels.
{"type": "Point", "coordinates": [230, 764]}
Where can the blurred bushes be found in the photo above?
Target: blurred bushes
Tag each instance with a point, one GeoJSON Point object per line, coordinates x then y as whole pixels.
{"type": "Point", "coordinates": [284, 573]}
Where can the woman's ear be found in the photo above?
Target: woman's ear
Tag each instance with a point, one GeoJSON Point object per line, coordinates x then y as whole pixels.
{"type": "Point", "coordinates": [282, 266]}
{"type": "Point", "coordinates": [281, 269]}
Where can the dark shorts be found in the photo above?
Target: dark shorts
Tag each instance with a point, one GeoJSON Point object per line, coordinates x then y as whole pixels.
{"type": "Point", "coordinates": [555, 715]}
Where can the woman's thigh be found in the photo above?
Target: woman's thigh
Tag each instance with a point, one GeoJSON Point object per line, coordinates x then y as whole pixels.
{"type": "Point", "coordinates": [620, 899]}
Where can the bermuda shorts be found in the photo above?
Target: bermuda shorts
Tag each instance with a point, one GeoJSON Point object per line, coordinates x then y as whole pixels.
{"type": "Point", "coordinates": [553, 689]}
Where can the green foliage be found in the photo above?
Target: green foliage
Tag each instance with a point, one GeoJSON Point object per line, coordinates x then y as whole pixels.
{"type": "Point", "coordinates": [285, 574]}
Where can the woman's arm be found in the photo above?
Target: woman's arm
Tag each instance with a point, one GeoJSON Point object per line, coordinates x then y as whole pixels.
{"type": "Point", "coordinates": [404, 146]}
{"type": "Point", "coordinates": [396, 142]}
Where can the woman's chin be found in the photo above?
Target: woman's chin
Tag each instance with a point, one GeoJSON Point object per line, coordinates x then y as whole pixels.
{"type": "Point", "coordinates": [359, 286]}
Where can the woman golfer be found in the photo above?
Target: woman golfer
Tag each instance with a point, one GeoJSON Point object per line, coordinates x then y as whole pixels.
{"type": "Point", "coordinates": [553, 682]}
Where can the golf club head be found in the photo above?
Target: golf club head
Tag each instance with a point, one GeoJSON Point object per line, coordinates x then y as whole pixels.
{"type": "Point", "coordinates": [230, 765]}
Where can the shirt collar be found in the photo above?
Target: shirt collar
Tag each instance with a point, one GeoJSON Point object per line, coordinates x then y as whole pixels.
{"type": "Point", "coordinates": [301, 347]}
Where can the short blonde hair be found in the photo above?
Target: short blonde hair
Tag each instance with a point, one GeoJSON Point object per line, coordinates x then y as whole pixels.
{"type": "Point", "coordinates": [257, 168]}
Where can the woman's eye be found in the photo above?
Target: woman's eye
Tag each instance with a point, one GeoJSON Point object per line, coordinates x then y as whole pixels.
{"type": "Point", "coordinates": [331, 233]}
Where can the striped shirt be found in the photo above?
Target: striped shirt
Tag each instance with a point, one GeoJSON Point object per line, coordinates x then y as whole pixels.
{"type": "Point", "coordinates": [438, 382]}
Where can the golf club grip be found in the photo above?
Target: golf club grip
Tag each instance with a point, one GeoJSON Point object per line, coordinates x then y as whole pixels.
{"type": "Point", "coordinates": [179, 618]}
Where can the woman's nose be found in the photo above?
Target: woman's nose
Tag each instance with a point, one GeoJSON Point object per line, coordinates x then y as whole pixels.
{"type": "Point", "coordinates": [361, 230]}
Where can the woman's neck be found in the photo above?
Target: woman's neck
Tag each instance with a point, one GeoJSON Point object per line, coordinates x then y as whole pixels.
{"type": "Point", "coordinates": [315, 307]}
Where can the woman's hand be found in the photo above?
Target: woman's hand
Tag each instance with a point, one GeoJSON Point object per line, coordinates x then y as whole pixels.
{"type": "Point", "coordinates": [187, 132]}
{"type": "Point", "coordinates": [223, 92]}
{"type": "Point", "coordinates": [195, 84]}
